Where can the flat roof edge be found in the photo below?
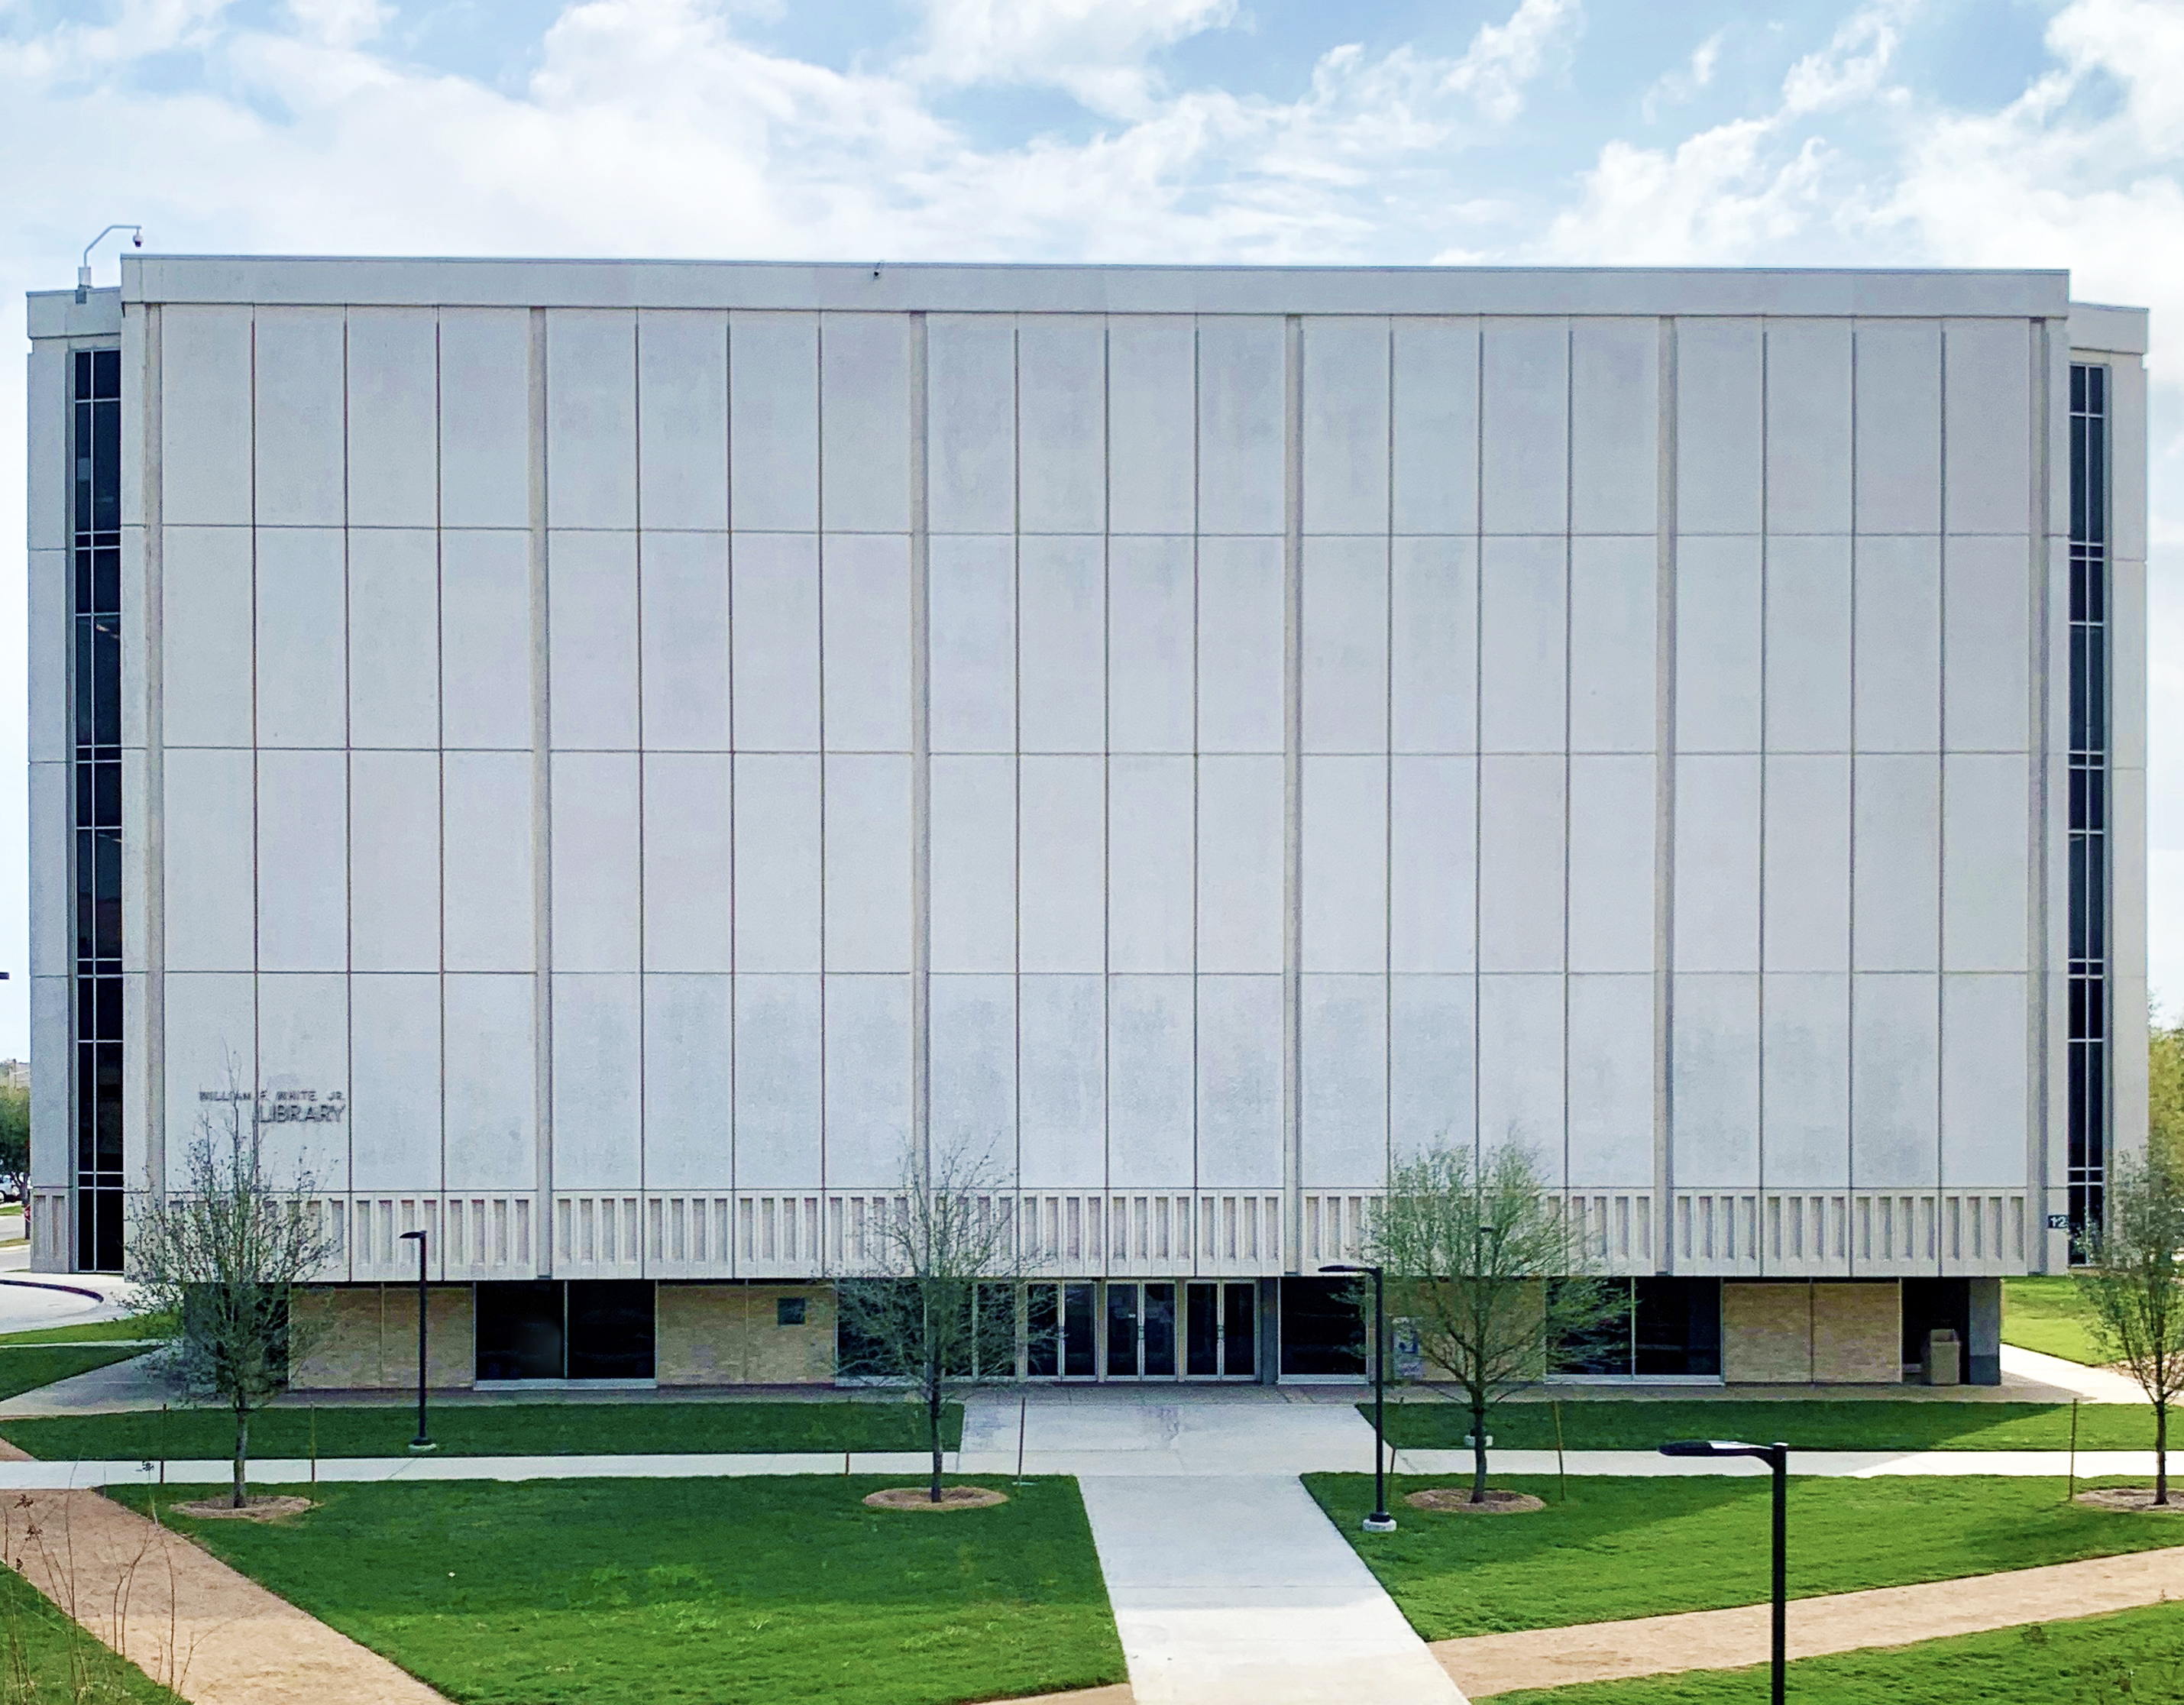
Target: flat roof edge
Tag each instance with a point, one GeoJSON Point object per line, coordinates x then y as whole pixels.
{"type": "Point", "coordinates": [946, 287]}
{"type": "Point", "coordinates": [57, 314]}
{"type": "Point", "coordinates": [2101, 326]}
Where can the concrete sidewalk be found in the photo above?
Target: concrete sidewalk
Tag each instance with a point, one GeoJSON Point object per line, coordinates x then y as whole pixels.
{"type": "Point", "coordinates": [54, 1474]}
{"type": "Point", "coordinates": [1235, 1590]}
{"type": "Point", "coordinates": [1491, 1664]}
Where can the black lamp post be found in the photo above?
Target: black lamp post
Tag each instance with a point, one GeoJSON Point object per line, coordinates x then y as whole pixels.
{"type": "Point", "coordinates": [423, 1442]}
{"type": "Point", "coordinates": [1379, 1522]}
{"type": "Point", "coordinates": [1777, 1458]}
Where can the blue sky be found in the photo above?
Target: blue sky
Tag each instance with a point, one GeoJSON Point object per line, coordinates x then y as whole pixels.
{"type": "Point", "coordinates": [1942, 132]}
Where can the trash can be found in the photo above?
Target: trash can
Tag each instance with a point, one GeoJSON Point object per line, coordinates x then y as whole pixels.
{"type": "Point", "coordinates": [1944, 1363]}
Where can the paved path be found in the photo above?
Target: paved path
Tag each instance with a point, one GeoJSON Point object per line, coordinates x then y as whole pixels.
{"type": "Point", "coordinates": [187, 1619]}
{"type": "Point", "coordinates": [2092, 1385]}
{"type": "Point", "coordinates": [1235, 1590]}
{"type": "Point", "coordinates": [1841, 1622]}
{"type": "Point", "coordinates": [53, 1474]}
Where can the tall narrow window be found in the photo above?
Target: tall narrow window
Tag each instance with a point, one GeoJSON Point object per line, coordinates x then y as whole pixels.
{"type": "Point", "coordinates": [97, 431]}
{"type": "Point", "coordinates": [2088, 1035]}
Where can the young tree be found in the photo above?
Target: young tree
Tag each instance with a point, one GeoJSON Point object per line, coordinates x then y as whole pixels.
{"type": "Point", "coordinates": [223, 1253]}
{"type": "Point", "coordinates": [934, 1306]}
{"type": "Point", "coordinates": [2131, 1289]}
{"type": "Point", "coordinates": [1483, 1262]}
{"type": "Point", "coordinates": [2164, 1088]}
{"type": "Point", "coordinates": [15, 1143]}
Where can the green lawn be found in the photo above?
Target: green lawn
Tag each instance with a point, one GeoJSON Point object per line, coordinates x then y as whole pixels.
{"type": "Point", "coordinates": [2037, 1315]}
{"type": "Point", "coordinates": [139, 1326]}
{"type": "Point", "coordinates": [25, 1369]}
{"type": "Point", "coordinates": [713, 1592]}
{"type": "Point", "coordinates": [60, 1660]}
{"type": "Point", "coordinates": [1646, 1547]}
{"type": "Point", "coordinates": [1848, 1424]}
{"type": "Point", "coordinates": [483, 1429]}
{"type": "Point", "coordinates": [2135, 1657]}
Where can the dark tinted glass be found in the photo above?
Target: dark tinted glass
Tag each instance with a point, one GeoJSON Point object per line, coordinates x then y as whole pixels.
{"type": "Point", "coordinates": [1322, 1328]}
{"type": "Point", "coordinates": [519, 1330]}
{"type": "Point", "coordinates": [1240, 1330]}
{"type": "Point", "coordinates": [1078, 1360]}
{"type": "Point", "coordinates": [1122, 1331]}
{"type": "Point", "coordinates": [610, 1328]}
{"type": "Point", "coordinates": [1160, 1330]}
{"type": "Point", "coordinates": [1201, 1330]}
{"type": "Point", "coordinates": [1678, 1326]}
{"type": "Point", "coordinates": [1043, 1330]}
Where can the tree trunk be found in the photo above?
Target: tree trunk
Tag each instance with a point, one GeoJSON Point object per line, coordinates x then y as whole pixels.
{"type": "Point", "coordinates": [2161, 1453]}
{"type": "Point", "coordinates": [933, 1422]}
{"type": "Point", "coordinates": [1478, 1448]}
{"type": "Point", "coordinates": [241, 1451]}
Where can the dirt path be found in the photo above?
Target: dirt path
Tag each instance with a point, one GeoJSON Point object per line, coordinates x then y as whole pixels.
{"type": "Point", "coordinates": [1495, 1663]}
{"type": "Point", "coordinates": [185, 1617]}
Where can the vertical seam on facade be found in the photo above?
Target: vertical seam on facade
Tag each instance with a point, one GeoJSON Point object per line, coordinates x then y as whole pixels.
{"type": "Point", "coordinates": [2040, 800]}
{"type": "Point", "coordinates": [921, 799]}
{"type": "Point", "coordinates": [819, 759]}
{"type": "Point", "coordinates": [440, 745]}
{"type": "Point", "coordinates": [1940, 827]}
{"type": "Point", "coordinates": [1293, 765]}
{"type": "Point", "coordinates": [1197, 742]}
{"type": "Point", "coordinates": [1015, 818]}
{"type": "Point", "coordinates": [1388, 770]}
{"type": "Point", "coordinates": [732, 1255]}
{"type": "Point", "coordinates": [1759, 832]}
{"type": "Point", "coordinates": [637, 644]}
{"type": "Point", "coordinates": [257, 812]}
{"type": "Point", "coordinates": [1569, 768]}
{"type": "Point", "coordinates": [154, 665]}
{"type": "Point", "coordinates": [1668, 449]}
{"type": "Point", "coordinates": [542, 784]}
{"type": "Point", "coordinates": [1478, 738]}
{"type": "Point", "coordinates": [348, 797]}
{"type": "Point", "coordinates": [1850, 982]}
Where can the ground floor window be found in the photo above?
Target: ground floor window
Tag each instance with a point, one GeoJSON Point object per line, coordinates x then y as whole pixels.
{"type": "Point", "coordinates": [557, 1329]}
{"type": "Point", "coordinates": [1665, 1328]}
{"type": "Point", "coordinates": [1322, 1328]}
{"type": "Point", "coordinates": [1093, 1330]}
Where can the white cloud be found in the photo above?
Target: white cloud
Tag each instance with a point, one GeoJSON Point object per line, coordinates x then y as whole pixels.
{"type": "Point", "coordinates": [1503, 58]}
{"type": "Point", "coordinates": [339, 23]}
{"type": "Point", "coordinates": [1096, 49]}
{"type": "Point", "coordinates": [1851, 66]}
{"type": "Point", "coordinates": [1678, 86]}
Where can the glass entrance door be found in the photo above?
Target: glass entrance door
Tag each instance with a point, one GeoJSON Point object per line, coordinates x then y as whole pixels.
{"type": "Point", "coordinates": [1221, 1336]}
{"type": "Point", "coordinates": [1140, 1331]}
{"type": "Point", "coordinates": [1059, 1332]}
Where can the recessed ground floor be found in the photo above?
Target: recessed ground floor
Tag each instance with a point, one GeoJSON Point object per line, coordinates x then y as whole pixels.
{"type": "Point", "coordinates": [546, 1333]}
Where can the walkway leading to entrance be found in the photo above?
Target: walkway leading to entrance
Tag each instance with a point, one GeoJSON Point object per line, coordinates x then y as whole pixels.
{"type": "Point", "coordinates": [1491, 1664]}
{"type": "Point", "coordinates": [1235, 1590]}
{"type": "Point", "coordinates": [185, 1618]}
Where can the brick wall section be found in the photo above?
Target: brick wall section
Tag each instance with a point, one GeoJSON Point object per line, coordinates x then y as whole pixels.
{"type": "Point", "coordinates": [731, 1335]}
{"type": "Point", "coordinates": [371, 1342]}
{"type": "Point", "coordinates": [1857, 1333]}
{"type": "Point", "coordinates": [1767, 1333]}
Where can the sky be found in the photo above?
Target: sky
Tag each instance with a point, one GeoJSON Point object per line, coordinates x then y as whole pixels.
{"type": "Point", "coordinates": [2011, 133]}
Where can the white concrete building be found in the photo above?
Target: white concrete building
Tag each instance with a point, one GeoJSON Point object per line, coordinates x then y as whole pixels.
{"type": "Point", "coordinates": [612, 756]}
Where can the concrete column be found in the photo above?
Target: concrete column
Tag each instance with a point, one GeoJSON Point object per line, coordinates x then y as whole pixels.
{"type": "Point", "coordinates": [1983, 1352]}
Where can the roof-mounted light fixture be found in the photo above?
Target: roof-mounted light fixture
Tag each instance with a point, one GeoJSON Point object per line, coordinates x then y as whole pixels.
{"type": "Point", "coordinates": [83, 272]}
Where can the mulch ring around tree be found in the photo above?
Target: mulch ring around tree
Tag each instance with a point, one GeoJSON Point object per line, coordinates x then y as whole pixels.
{"type": "Point", "coordinates": [263, 1509]}
{"type": "Point", "coordinates": [921, 1498]}
{"type": "Point", "coordinates": [2133, 1498]}
{"type": "Point", "coordinates": [1456, 1501]}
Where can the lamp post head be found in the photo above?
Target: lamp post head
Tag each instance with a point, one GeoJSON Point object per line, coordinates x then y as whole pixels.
{"type": "Point", "coordinates": [1722, 1447]}
{"type": "Point", "coordinates": [412, 1237]}
{"type": "Point", "coordinates": [1347, 1267]}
